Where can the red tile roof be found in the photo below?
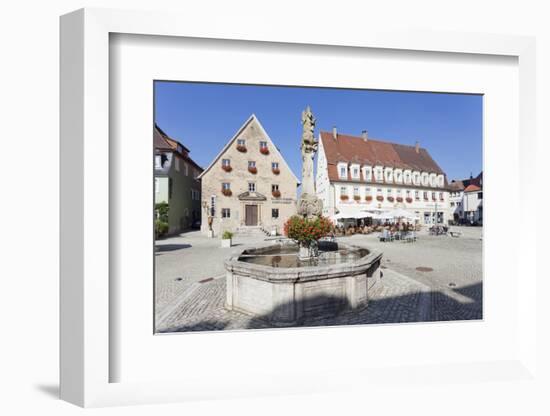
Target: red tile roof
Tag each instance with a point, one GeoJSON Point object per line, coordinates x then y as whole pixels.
{"type": "Point", "coordinates": [163, 142]}
{"type": "Point", "coordinates": [354, 149]}
{"type": "Point", "coordinates": [472, 188]}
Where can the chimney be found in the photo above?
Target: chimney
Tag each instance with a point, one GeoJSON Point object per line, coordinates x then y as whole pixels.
{"type": "Point", "coordinates": [365, 135]}
{"type": "Point", "coordinates": [417, 147]}
{"type": "Point", "coordinates": [334, 133]}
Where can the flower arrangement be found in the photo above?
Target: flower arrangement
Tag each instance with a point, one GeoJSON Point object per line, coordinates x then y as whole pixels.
{"type": "Point", "coordinates": [356, 198]}
{"type": "Point", "coordinates": [390, 198]}
{"type": "Point", "coordinates": [399, 199]}
{"type": "Point", "coordinates": [344, 197]}
{"type": "Point", "coordinates": [409, 200]}
{"type": "Point", "coordinates": [264, 150]}
{"type": "Point", "coordinates": [368, 198]}
{"type": "Point", "coordinates": [276, 171]}
{"type": "Point", "coordinates": [253, 169]}
{"type": "Point", "coordinates": [379, 198]}
{"type": "Point", "coordinates": [227, 168]}
{"type": "Point", "coordinates": [306, 231]}
{"type": "Point", "coordinates": [276, 193]}
{"type": "Point", "coordinates": [241, 148]}
{"type": "Point", "coordinates": [227, 192]}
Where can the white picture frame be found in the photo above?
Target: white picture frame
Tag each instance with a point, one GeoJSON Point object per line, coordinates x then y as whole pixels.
{"type": "Point", "coordinates": [86, 264]}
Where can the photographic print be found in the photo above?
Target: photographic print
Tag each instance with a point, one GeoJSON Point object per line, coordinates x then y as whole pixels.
{"type": "Point", "coordinates": [288, 206]}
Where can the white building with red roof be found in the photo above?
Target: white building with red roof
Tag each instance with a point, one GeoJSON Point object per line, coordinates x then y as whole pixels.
{"type": "Point", "coordinates": [466, 200]}
{"type": "Point", "coordinates": [358, 174]}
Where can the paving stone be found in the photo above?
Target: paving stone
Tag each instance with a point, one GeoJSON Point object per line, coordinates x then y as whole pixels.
{"type": "Point", "coordinates": [452, 291]}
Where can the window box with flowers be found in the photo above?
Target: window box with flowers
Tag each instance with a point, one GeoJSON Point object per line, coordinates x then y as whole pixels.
{"type": "Point", "coordinates": [241, 148]}
{"type": "Point", "coordinates": [275, 171]}
{"type": "Point", "coordinates": [227, 168]}
{"type": "Point", "coordinates": [379, 198]}
{"type": "Point", "coordinates": [253, 169]}
{"type": "Point", "coordinates": [368, 198]}
{"type": "Point", "coordinates": [356, 198]}
{"type": "Point", "coordinates": [409, 200]}
{"type": "Point", "coordinates": [276, 193]}
{"type": "Point", "coordinates": [227, 192]}
{"type": "Point", "coordinates": [390, 198]}
{"type": "Point", "coordinates": [344, 197]}
{"type": "Point", "coordinates": [264, 150]}
{"type": "Point", "coordinates": [399, 199]}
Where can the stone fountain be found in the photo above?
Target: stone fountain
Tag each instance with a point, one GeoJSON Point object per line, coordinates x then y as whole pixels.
{"type": "Point", "coordinates": [287, 283]}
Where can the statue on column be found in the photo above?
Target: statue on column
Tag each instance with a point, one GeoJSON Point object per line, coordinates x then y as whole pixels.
{"type": "Point", "coordinates": [308, 204]}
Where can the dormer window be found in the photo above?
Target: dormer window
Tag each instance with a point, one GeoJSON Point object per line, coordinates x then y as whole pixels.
{"type": "Point", "coordinates": [367, 173]}
{"type": "Point", "coordinates": [343, 170]}
{"type": "Point", "coordinates": [355, 172]}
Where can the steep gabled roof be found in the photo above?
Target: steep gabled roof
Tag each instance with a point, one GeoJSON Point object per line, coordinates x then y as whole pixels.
{"type": "Point", "coordinates": [353, 149]}
{"type": "Point", "coordinates": [163, 142]}
{"type": "Point", "coordinates": [251, 119]}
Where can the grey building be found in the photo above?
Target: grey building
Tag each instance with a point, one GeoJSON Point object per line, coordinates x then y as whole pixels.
{"type": "Point", "coordinates": [176, 182]}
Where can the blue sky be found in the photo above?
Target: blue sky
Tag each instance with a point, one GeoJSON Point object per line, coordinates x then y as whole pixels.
{"type": "Point", "coordinates": [203, 117]}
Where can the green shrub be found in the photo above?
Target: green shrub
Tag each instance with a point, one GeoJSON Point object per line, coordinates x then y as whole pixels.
{"type": "Point", "coordinates": [227, 235]}
{"type": "Point", "coordinates": [161, 210]}
{"type": "Point", "coordinates": [161, 228]}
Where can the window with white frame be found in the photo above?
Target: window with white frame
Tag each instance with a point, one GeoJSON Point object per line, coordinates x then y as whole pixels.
{"type": "Point", "coordinates": [157, 185]}
{"type": "Point", "coordinates": [241, 142]}
{"type": "Point", "coordinates": [343, 190]}
{"type": "Point", "coordinates": [251, 186]}
{"type": "Point", "coordinates": [356, 191]}
{"type": "Point", "coordinates": [226, 213]}
{"type": "Point", "coordinates": [158, 161]}
{"type": "Point", "coordinates": [226, 162]}
{"type": "Point", "coordinates": [226, 186]}
{"type": "Point", "coordinates": [185, 169]}
{"type": "Point", "coordinates": [274, 165]}
{"type": "Point", "coordinates": [355, 172]}
{"type": "Point", "coordinates": [177, 163]}
{"type": "Point", "coordinates": [343, 172]}
{"type": "Point", "coordinates": [368, 174]}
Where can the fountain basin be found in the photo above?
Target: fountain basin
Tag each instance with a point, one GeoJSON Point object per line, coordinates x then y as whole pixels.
{"type": "Point", "coordinates": [273, 284]}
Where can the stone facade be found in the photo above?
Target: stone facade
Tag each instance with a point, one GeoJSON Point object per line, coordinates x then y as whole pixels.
{"type": "Point", "coordinates": [243, 188]}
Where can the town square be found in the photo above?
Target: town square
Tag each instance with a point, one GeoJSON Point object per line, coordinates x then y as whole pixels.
{"type": "Point", "coordinates": [343, 229]}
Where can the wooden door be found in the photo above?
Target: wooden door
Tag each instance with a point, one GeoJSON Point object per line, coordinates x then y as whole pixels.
{"type": "Point", "coordinates": [251, 215]}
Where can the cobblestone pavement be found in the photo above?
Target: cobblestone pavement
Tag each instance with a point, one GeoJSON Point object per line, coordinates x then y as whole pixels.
{"type": "Point", "coordinates": [190, 287]}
